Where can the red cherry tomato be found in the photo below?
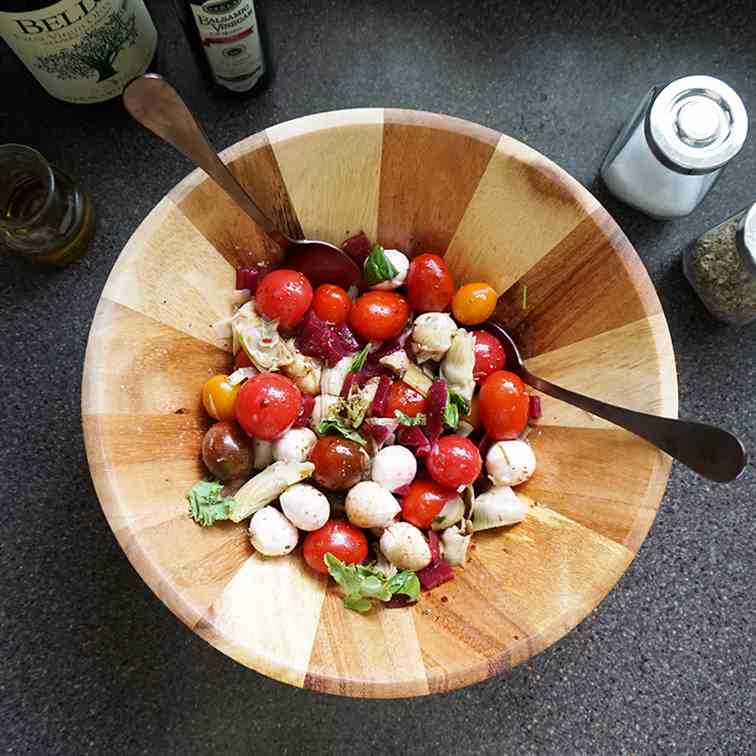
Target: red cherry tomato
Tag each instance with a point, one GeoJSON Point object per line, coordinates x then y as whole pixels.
{"type": "Point", "coordinates": [504, 405]}
{"type": "Point", "coordinates": [454, 461]}
{"type": "Point", "coordinates": [242, 360]}
{"type": "Point", "coordinates": [267, 406]}
{"type": "Point", "coordinates": [489, 355]}
{"type": "Point", "coordinates": [379, 315]}
{"type": "Point", "coordinates": [285, 296]}
{"type": "Point", "coordinates": [331, 303]}
{"type": "Point", "coordinates": [404, 398]}
{"type": "Point", "coordinates": [424, 500]}
{"type": "Point", "coordinates": [430, 285]}
{"type": "Point", "coordinates": [338, 537]}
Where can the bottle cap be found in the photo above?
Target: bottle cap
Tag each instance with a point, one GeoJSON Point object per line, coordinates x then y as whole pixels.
{"type": "Point", "coordinates": [745, 238]}
{"type": "Point", "coordinates": [696, 124]}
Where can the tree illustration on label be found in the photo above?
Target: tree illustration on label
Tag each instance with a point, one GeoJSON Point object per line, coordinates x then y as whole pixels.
{"type": "Point", "coordinates": [95, 52]}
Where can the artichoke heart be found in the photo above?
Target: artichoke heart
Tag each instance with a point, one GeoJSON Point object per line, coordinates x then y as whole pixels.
{"type": "Point", "coordinates": [260, 340]}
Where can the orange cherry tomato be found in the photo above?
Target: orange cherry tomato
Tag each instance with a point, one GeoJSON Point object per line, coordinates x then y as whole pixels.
{"type": "Point", "coordinates": [379, 315]}
{"type": "Point", "coordinates": [504, 405]}
{"type": "Point", "coordinates": [331, 303]}
{"type": "Point", "coordinates": [424, 500]}
{"type": "Point", "coordinates": [473, 416]}
{"type": "Point", "coordinates": [430, 285]}
{"type": "Point", "coordinates": [474, 303]}
{"type": "Point", "coordinates": [345, 541]}
{"type": "Point", "coordinates": [454, 461]}
{"type": "Point", "coordinates": [267, 406]}
{"type": "Point", "coordinates": [219, 397]}
{"type": "Point", "coordinates": [404, 398]}
{"type": "Point", "coordinates": [285, 296]}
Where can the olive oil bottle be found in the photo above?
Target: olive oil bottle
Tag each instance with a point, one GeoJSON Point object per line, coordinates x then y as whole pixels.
{"type": "Point", "coordinates": [82, 51]}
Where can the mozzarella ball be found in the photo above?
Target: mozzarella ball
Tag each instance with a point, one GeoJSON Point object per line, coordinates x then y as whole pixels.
{"type": "Point", "coordinates": [401, 262]}
{"type": "Point", "coordinates": [271, 533]}
{"type": "Point", "coordinates": [510, 463]}
{"type": "Point", "coordinates": [305, 506]}
{"type": "Point", "coordinates": [370, 505]}
{"type": "Point", "coordinates": [394, 467]}
{"type": "Point", "coordinates": [405, 546]}
{"type": "Point", "coordinates": [294, 446]}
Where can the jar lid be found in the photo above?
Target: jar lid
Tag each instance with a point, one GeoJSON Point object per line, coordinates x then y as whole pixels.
{"type": "Point", "coordinates": [745, 238]}
{"type": "Point", "coordinates": [697, 124]}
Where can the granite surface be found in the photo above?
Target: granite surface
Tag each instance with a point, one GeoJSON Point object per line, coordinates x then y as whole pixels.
{"type": "Point", "coordinates": [92, 662]}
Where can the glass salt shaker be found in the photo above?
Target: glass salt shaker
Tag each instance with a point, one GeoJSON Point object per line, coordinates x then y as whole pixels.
{"type": "Point", "coordinates": [675, 146]}
{"type": "Point", "coordinates": [721, 267]}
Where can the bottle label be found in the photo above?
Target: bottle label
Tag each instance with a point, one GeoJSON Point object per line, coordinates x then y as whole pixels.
{"type": "Point", "coordinates": [231, 41]}
{"type": "Point", "coordinates": [83, 51]}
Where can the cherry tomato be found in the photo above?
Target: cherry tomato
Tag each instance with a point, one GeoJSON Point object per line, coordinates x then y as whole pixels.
{"type": "Point", "coordinates": [338, 537]}
{"type": "Point", "coordinates": [219, 397]}
{"type": "Point", "coordinates": [404, 398]}
{"type": "Point", "coordinates": [504, 405]}
{"type": "Point", "coordinates": [285, 296]}
{"type": "Point", "coordinates": [267, 406]}
{"type": "Point", "coordinates": [489, 355]}
{"type": "Point", "coordinates": [339, 462]}
{"type": "Point", "coordinates": [473, 416]}
{"type": "Point", "coordinates": [379, 315]}
{"type": "Point", "coordinates": [424, 500]}
{"type": "Point", "coordinates": [454, 461]}
{"type": "Point", "coordinates": [474, 303]}
{"type": "Point", "coordinates": [227, 451]}
{"type": "Point", "coordinates": [242, 360]}
{"type": "Point", "coordinates": [331, 303]}
{"type": "Point", "coordinates": [430, 285]}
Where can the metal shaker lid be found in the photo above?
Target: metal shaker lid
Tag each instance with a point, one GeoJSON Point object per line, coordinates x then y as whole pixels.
{"type": "Point", "coordinates": [697, 124]}
{"type": "Point", "coordinates": [745, 238]}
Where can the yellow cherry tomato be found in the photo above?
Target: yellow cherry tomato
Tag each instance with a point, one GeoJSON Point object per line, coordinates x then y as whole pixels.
{"type": "Point", "coordinates": [219, 397]}
{"type": "Point", "coordinates": [473, 303]}
{"type": "Point", "coordinates": [473, 416]}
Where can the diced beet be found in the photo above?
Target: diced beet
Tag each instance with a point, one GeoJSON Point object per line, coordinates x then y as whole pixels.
{"type": "Point", "coordinates": [357, 247]}
{"type": "Point", "coordinates": [398, 601]}
{"type": "Point", "coordinates": [437, 397]}
{"type": "Point", "coordinates": [435, 574]}
{"type": "Point", "coordinates": [392, 345]}
{"type": "Point", "coordinates": [434, 543]}
{"type": "Point", "coordinates": [379, 429]}
{"type": "Point", "coordinates": [534, 407]}
{"type": "Point", "coordinates": [414, 438]}
{"type": "Point", "coordinates": [378, 406]}
{"type": "Point", "coordinates": [247, 278]}
{"type": "Point", "coordinates": [347, 337]}
{"type": "Point", "coordinates": [349, 381]}
{"type": "Point", "coordinates": [324, 340]}
{"type": "Point", "coordinates": [306, 406]}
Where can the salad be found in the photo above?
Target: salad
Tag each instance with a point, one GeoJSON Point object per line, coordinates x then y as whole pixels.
{"type": "Point", "coordinates": [379, 428]}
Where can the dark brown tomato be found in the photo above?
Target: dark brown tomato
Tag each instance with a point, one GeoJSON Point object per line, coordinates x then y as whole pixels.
{"type": "Point", "coordinates": [339, 463]}
{"type": "Point", "coordinates": [226, 451]}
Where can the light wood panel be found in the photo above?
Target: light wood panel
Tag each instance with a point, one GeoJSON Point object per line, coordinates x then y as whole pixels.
{"type": "Point", "coordinates": [413, 180]}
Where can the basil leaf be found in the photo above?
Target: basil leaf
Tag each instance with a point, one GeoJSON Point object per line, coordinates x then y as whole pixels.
{"type": "Point", "coordinates": [378, 267]}
{"type": "Point", "coordinates": [359, 359]}
{"type": "Point", "coordinates": [403, 419]}
{"type": "Point", "coordinates": [326, 426]}
{"type": "Point", "coordinates": [361, 583]}
{"type": "Point", "coordinates": [455, 409]}
{"type": "Point", "coordinates": [206, 505]}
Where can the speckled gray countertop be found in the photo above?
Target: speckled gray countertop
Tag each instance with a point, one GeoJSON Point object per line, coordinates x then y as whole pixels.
{"type": "Point", "coordinates": [92, 662]}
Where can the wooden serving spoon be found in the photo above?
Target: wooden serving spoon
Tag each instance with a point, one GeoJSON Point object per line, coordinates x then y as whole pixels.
{"type": "Point", "coordinates": [154, 103]}
{"type": "Point", "coordinates": [714, 453]}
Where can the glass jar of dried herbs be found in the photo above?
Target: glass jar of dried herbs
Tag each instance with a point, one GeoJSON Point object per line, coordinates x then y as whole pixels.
{"type": "Point", "coordinates": [721, 267]}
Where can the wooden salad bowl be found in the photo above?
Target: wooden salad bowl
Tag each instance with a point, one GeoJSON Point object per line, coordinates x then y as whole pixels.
{"type": "Point", "coordinates": [502, 213]}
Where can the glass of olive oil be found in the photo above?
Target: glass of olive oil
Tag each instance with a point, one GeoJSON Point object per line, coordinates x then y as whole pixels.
{"type": "Point", "coordinates": [44, 217]}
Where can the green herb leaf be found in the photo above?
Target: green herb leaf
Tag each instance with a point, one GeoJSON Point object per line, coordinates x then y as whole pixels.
{"type": "Point", "coordinates": [455, 409]}
{"type": "Point", "coordinates": [378, 267]}
{"type": "Point", "coordinates": [359, 359]}
{"type": "Point", "coordinates": [361, 583]}
{"type": "Point", "coordinates": [403, 419]}
{"type": "Point", "coordinates": [206, 505]}
{"type": "Point", "coordinates": [328, 425]}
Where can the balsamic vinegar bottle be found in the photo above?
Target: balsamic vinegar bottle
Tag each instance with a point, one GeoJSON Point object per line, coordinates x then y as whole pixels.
{"type": "Point", "coordinates": [225, 36]}
{"type": "Point", "coordinates": [82, 51]}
